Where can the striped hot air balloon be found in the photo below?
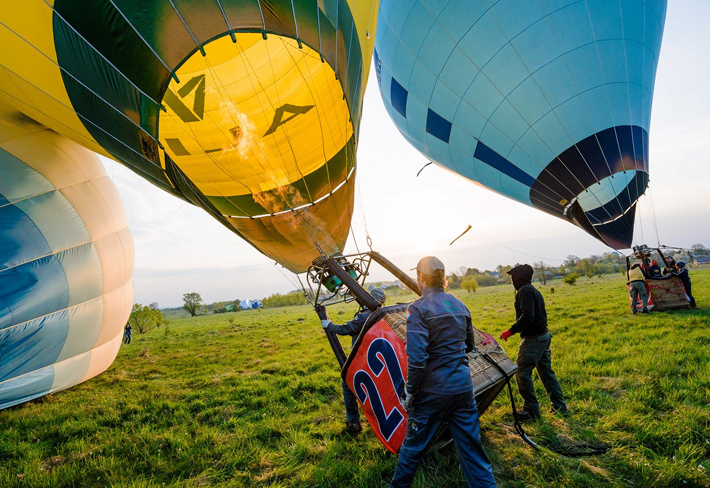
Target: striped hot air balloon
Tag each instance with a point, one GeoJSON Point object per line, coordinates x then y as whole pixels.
{"type": "Point", "coordinates": [545, 102]}
{"type": "Point", "coordinates": [66, 260]}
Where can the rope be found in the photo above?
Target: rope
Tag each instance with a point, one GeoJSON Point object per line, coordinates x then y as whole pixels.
{"type": "Point", "coordinates": [515, 250]}
{"type": "Point", "coordinates": [590, 450]}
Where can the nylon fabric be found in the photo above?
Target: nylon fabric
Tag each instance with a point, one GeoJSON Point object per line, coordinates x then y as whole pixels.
{"type": "Point", "coordinates": [258, 104]}
{"type": "Point", "coordinates": [32, 345]}
{"type": "Point", "coordinates": [65, 279]}
{"type": "Point", "coordinates": [536, 101]}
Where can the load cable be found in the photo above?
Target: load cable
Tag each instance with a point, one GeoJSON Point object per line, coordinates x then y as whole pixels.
{"type": "Point", "coordinates": [589, 449]}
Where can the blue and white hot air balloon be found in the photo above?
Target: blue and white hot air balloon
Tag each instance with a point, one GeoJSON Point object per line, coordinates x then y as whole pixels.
{"type": "Point", "coordinates": [547, 102]}
{"type": "Point", "coordinates": [66, 260]}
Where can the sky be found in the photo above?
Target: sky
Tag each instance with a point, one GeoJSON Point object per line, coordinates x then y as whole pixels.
{"type": "Point", "coordinates": [180, 249]}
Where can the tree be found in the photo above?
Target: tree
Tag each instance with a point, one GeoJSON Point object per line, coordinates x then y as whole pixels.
{"type": "Point", "coordinates": [540, 272]}
{"type": "Point", "coordinates": [486, 280]}
{"type": "Point", "coordinates": [154, 306]}
{"type": "Point", "coordinates": [470, 285]}
{"type": "Point", "coordinates": [193, 302]}
{"type": "Point", "coordinates": [571, 261]}
{"type": "Point", "coordinates": [503, 272]}
{"type": "Point", "coordinates": [699, 250]}
{"type": "Point", "coordinates": [571, 278]}
{"type": "Point", "coordinates": [143, 318]}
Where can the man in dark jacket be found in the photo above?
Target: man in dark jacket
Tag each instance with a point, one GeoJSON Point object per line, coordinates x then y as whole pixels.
{"type": "Point", "coordinates": [534, 351]}
{"type": "Point", "coordinates": [439, 387]}
{"type": "Point", "coordinates": [352, 328]}
{"type": "Point", "coordinates": [682, 273]}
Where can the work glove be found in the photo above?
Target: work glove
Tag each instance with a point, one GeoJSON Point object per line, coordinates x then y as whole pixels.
{"type": "Point", "coordinates": [506, 334]}
{"type": "Point", "coordinates": [407, 399]}
{"type": "Point", "coordinates": [325, 323]}
{"type": "Point", "coordinates": [322, 313]}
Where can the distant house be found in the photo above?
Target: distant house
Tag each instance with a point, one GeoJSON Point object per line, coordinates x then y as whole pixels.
{"type": "Point", "coordinates": [702, 259]}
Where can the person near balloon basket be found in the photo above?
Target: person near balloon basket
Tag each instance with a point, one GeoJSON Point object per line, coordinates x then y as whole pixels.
{"type": "Point", "coordinates": [439, 387]}
{"type": "Point", "coordinates": [351, 328]}
{"type": "Point", "coordinates": [534, 350]}
{"type": "Point", "coordinates": [637, 287]}
{"type": "Point", "coordinates": [681, 272]}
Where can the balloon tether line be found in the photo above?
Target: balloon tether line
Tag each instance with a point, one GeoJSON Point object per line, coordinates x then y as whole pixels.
{"type": "Point", "coordinates": [514, 250]}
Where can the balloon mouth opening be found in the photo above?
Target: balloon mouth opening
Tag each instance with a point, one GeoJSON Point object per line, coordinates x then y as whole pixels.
{"type": "Point", "coordinates": [607, 209]}
{"type": "Point", "coordinates": [260, 116]}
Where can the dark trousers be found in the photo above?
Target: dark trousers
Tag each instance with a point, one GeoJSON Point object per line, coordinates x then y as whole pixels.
{"type": "Point", "coordinates": [638, 289]}
{"type": "Point", "coordinates": [426, 415]}
{"type": "Point", "coordinates": [689, 292]}
{"type": "Point", "coordinates": [126, 338]}
{"type": "Point", "coordinates": [352, 415]}
{"type": "Point", "coordinates": [535, 354]}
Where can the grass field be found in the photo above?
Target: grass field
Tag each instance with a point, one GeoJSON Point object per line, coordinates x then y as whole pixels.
{"type": "Point", "coordinates": [257, 402]}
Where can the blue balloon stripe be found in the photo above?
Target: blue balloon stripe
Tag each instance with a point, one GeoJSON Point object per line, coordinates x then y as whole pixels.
{"type": "Point", "coordinates": [34, 289]}
{"type": "Point", "coordinates": [398, 96]}
{"type": "Point", "coordinates": [19, 180]}
{"type": "Point", "coordinates": [32, 345]}
{"type": "Point", "coordinates": [495, 160]}
{"type": "Point", "coordinates": [27, 387]}
{"type": "Point", "coordinates": [20, 238]}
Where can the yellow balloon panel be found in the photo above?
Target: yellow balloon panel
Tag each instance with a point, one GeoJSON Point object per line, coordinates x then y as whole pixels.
{"type": "Point", "coordinates": [253, 115]}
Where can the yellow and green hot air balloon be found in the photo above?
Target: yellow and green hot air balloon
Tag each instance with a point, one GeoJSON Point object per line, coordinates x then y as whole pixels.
{"type": "Point", "coordinates": [249, 109]}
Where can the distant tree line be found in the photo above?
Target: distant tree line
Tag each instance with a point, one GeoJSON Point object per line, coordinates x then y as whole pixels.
{"type": "Point", "coordinates": [573, 267]}
{"type": "Point", "coordinates": [469, 279]}
{"type": "Point", "coordinates": [294, 297]}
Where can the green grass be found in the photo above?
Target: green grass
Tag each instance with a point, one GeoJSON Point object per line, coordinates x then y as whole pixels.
{"type": "Point", "coordinates": [258, 403]}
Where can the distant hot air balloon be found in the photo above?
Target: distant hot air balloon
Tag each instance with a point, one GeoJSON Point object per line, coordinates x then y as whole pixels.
{"type": "Point", "coordinates": [248, 109]}
{"type": "Point", "coordinates": [66, 259]}
{"type": "Point", "coordinates": [545, 102]}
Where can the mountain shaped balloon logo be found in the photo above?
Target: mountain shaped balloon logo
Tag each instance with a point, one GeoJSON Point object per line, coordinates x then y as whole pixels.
{"type": "Point", "coordinates": [194, 89]}
{"type": "Point", "coordinates": [547, 103]}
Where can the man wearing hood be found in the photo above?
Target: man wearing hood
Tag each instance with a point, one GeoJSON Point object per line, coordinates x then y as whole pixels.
{"type": "Point", "coordinates": [534, 351]}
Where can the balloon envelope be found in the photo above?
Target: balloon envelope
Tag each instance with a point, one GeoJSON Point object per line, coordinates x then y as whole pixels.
{"type": "Point", "coordinates": [66, 260]}
{"type": "Point", "coordinates": [546, 102]}
{"type": "Point", "coordinates": [248, 109]}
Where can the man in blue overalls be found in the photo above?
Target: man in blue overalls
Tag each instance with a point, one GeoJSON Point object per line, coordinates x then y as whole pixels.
{"type": "Point", "coordinates": [352, 328]}
{"type": "Point", "coordinates": [439, 387]}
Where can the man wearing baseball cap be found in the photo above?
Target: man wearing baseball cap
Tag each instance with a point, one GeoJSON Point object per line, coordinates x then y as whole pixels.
{"type": "Point", "coordinates": [534, 351]}
{"type": "Point", "coordinates": [439, 387]}
{"type": "Point", "coordinates": [352, 328]}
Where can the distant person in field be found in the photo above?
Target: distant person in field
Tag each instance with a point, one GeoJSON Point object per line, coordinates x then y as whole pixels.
{"type": "Point", "coordinates": [636, 279]}
{"type": "Point", "coordinates": [682, 273]}
{"type": "Point", "coordinates": [439, 387]}
{"type": "Point", "coordinates": [351, 328]}
{"type": "Point", "coordinates": [534, 350]}
{"type": "Point", "coordinates": [654, 271]}
{"type": "Point", "coordinates": [127, 333]}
